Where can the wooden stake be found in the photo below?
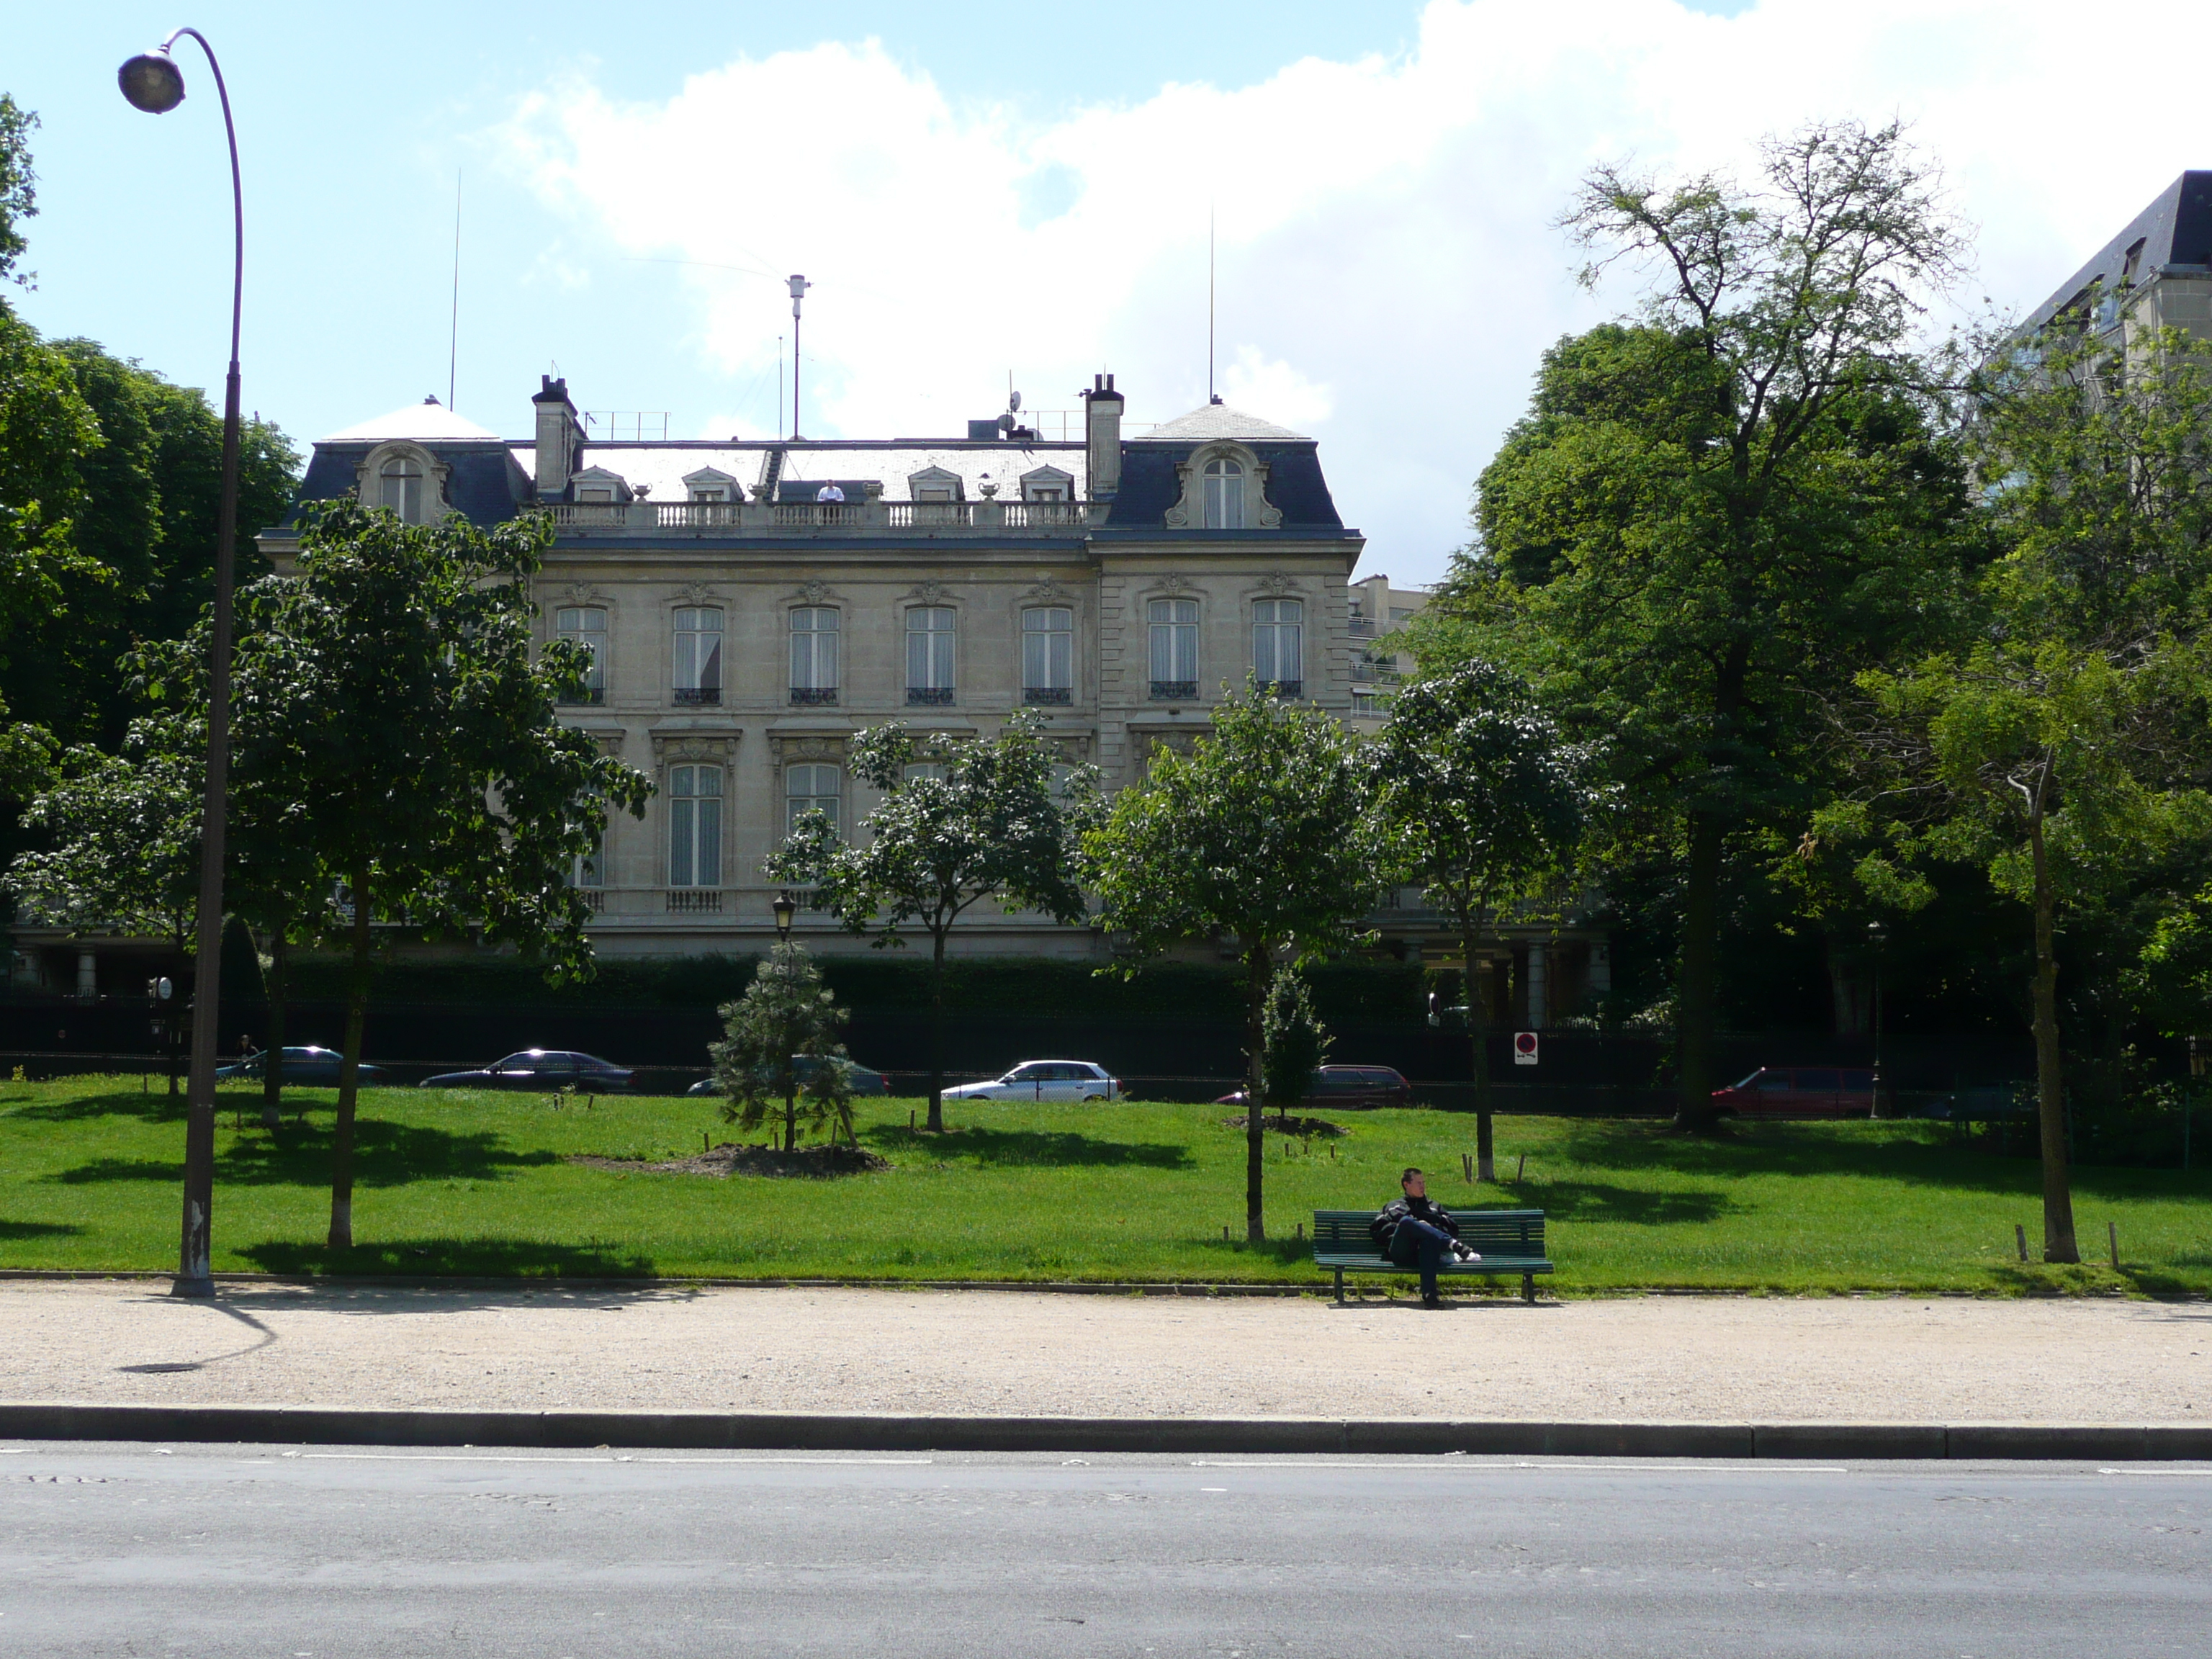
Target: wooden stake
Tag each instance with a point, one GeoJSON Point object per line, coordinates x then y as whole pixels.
{"type": "Point", "coordinates": [1523, 1168]}
{"type": "Point", "coordinates": [2112, 1234]}
{"type": "Point", "coordinates": [1301, 1233]}
{"type": "Point", "coordinates": [2020, 1236]}
{"type": "Point", "coordinates": [702, 1140]}
{"type": "Point", "coordinates": [1467, 1167]}
{"type": "Point", "coordinates": [1225, 1233]}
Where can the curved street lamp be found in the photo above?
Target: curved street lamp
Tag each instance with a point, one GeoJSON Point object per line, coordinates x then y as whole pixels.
{"type": "Point", "coordinates": [153, 82]}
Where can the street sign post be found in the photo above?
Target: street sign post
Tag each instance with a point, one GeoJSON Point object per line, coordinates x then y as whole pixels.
{"type": "Point", "coordinates": [1524, 1047]}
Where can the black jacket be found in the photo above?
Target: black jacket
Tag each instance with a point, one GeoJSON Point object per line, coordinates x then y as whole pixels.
{"type": "Point", "coordinates": [1419, 1209]}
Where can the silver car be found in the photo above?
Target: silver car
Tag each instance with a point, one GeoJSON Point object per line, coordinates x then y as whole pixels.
{"type": "Point", "coordinates": [1045, 1079]}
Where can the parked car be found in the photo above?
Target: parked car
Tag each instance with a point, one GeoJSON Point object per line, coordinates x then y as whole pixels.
{"type": "Point", "coordinates": [1044, 1079]}
{"type": "Point", "coordinates": [309, 1067]}
{"type": "Point", "coordinates": [1800, 1091]}
{"type": "Point", "coordinates": [1347, 1088]}
{"type": "Point", "coordinates": [863, 1081]}
{"type": "Point", "coordinates": [540, 1068]}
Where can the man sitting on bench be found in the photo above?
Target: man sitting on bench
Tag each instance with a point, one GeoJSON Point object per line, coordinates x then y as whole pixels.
{"type": "Point", "coordinates": [1416, 1233]}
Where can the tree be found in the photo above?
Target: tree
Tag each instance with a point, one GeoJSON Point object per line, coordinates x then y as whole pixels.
{"type": "Point", "coordinates": [1716, 515]}
{"type": "Point", "coordinates": [1484, 804]}
{"type": "Point", "coordinates": [1261, 832]}
{"type": "Point", "coordinates": [2061, 744]}
{"type": "Point", "coordinates": [388, 695]}
{"type": "Point", "coordinates": [1294, 1043]}
{"type": "Point", "coordinates": [785, 1012]}
{"type": "Point", "coordinates": [962, 821]}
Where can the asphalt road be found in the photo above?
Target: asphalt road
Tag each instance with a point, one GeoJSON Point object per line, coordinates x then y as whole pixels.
{"type": "Point", "coordinates": [327, 1553]}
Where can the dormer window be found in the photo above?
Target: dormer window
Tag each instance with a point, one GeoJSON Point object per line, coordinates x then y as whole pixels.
{"type": "Point", "coordinates": [1224, 495]}
{"type": "Point", "coordinates": [936, 485]}
{"type": "Point", "coordinates": [1048, 483]}
{"type": "Point", "coordinates": [399, 487]}
{"type": "Point", "coordinates": [596, 487]}
{"type": "Point", "coordinates": [710, 484]}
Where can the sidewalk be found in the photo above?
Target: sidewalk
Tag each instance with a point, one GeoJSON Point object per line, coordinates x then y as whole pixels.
{"type": "Point", "coordinates": [1672, 1358]}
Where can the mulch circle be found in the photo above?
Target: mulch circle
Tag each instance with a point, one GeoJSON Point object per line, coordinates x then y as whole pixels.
{"type": "Point", "coordinates": [1301, 1128]}
{"type": "Point", "coordinates": [729, 1159]}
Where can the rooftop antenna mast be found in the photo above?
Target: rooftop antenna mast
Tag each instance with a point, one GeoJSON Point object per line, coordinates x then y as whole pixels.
{"type": "Point", "coordinates": [798, 286]}
{"type": "Point", "coordinates": [1210, 397]}
{"type": "Point", "coordinates": [453, 340]}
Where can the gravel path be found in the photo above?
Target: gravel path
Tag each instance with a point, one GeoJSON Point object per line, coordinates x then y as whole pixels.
{"type": "Point", "coordinates": [1678, 1358]}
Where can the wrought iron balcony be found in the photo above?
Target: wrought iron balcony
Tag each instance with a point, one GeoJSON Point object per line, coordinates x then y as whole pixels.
{"type": "Point", "coordinates": [1174, 691]}
{"type": "Point", "coordinates": [1041, 696]}
{"type": "Point", "coordinates": [697, 696]}
{"type": "Point", "coordinates": [929, 696]}
{"type": "Point", "coordinates": [589, 697]}
{"type": "Point", "coordinates": [1291, 689]}
{"type": "Point", "coordinates": [814, 696]}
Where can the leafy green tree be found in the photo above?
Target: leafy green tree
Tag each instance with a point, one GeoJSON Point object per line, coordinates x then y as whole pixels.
{"type": "Point", "coordinates": [1294, 1043]}
{"type": "Point", "coordinates": [1484, 804]}
{"type": "Point", "coordinates": [388, 692]}
{"type": "Point", "coordinates": [1261, 832]}
{"type": "Point", "coordinates": [2064, 744]}
{"type": "Point", "coordinates": [1712, 518]}
{"type": "Point", "coordinates": [785, 1012]}
{"type": "Point", "coordinates": [962, 821]}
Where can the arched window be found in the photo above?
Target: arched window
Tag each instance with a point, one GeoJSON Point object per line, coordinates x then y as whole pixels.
{"type": "Point", "coordinates": [1224, 495]}
{"type": "Point", "coordinates": [1173, 626]}
{"type": "Point", "coordinates": [698, 659]}
{"type": "Point", "coordinates": [694, 826]}
{"type": "Point", "coordinates": [929, 639]}
{"type": "Point", "coordinates": [1047, 655]}
{"type": "Point", "coordinates": [399, 487]}
{"type": "Point", "coordinates": [1278, 645]}
{"type": "Point", "coordinates": [812, 789]}
{"type": "Point", "coordinates": [588, 626]}
{"type": "Point", "coordinates": [814, 654]}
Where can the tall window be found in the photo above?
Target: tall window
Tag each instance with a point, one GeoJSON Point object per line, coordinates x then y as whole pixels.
{"type": "Point", "coordinates": [929, 654]}
{"type": "Point", "coordinates": [813, 654]}
{"type": "Point", "coordinates": [588, 626]}
{"type": "Point", "coordinates": [1174, 631]}
{"type": "Point", "coordinates": [1047, 655]}
{"type": "Point", "coordinates": [1225, 495]}
{"type": "Point", "coordinates": [1278, 640]}
{"type": "Point", "coordinates": [400, 481]}
{"type": "Point", "coordinates": [811, 789]}
{"type": "Point", "coordinates": [698, 675]}
{"type": "Point", "coordinates": [931, 771]}
{"type": "Point", "coordinates": [694, 826]}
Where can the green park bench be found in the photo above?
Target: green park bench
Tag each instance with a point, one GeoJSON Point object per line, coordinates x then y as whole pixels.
{"type": "Point", "coordinates": [1508, 1241]}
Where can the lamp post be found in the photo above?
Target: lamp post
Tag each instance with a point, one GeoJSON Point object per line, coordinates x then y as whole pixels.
{"type": "Point", "coordinates": [153, 82]}
{"type": "Point", "coordinates": [1876, 934]}
{"type": "Point", "coordinates": [785, 907]}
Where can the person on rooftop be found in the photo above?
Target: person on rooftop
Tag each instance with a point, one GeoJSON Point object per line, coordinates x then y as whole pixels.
{"type": "Point", "coordinates": [830, 492]}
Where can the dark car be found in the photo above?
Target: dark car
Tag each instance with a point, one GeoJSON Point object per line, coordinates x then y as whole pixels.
{"type": "Point", "coordinates": [864, 1081]}
{"type": "Point", "coordinates": [1800, 1091]}
{"type": "Point", "coordinates": [541, 1068]}
{"type": "Point", "coordinates": [1348, 1087]}
{"type": "Point", "coordinates": [310, 1067]}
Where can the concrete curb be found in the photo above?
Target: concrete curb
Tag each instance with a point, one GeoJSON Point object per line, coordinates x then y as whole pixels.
{"type": "Point", "coordinates": [700, 1431]}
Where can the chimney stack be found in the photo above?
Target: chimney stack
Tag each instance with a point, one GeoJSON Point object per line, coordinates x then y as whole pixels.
{"type": "Point", "coordinates": [1102, 435]}
{"type": "Point", "coordinates": [560, 435]}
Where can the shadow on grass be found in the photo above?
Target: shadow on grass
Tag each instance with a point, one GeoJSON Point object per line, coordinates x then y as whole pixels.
{"type": "Point", "coordinates": [1596, 1200]}
{"type": "Point", "coordinates": [385, 1155]}
{"type": "Point", "coordinates": [1907, 1152]}
{"type": "Point", "coordinates": [21, 1230]}
{"type": "Point", "coordinates": [489, 1258]}
{"type": "Point", "coordinates": [154, 1107]}
{"type": "Point", "coordinates": [1029, 1148]}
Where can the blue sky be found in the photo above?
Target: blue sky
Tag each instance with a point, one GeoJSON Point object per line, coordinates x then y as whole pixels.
{"type": "Point", "coordinates": [985, 190]}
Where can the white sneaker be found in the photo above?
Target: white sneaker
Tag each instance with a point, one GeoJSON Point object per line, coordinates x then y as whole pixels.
{"type": "Point", "coordinates": [1464, 1254]}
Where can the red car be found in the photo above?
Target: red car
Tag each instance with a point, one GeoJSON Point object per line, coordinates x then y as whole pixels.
{"type": "Point", "coordinates": [1800, 1091]}
{"type": "Point", "coordinates": [1351, 1088]}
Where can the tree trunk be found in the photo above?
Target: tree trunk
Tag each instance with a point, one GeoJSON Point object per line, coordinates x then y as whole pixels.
{"type": "Point", "coordinates": [1478, 1035]}
{"type": "Point", "coordinates": [341, 1233]}
{"type": "Point", "coordinates": [936, 1125]}
{"type": "Point", "coordinates": [2058, 1243]}
{"type": "Point", "coordinates": [1261, 962]}
{"type": "Point", "coordinates": [1694, 983]}
{"type": "Point", "coordinates": [790, 1115]}
{"type": "Point", "coordinates": [272, 1065]}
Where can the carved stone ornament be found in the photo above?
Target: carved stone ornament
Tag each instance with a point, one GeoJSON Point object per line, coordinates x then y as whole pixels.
{"type": "Point", "coordinates": [696, 594]}
{"type": "Point", "coordinates": [1278, 583]}
{"type": "Point", "coordinates": [679, 748]}
{"type": "Point", "coordinates": [788, 750]}
{"type": "Point", "coordinates": [579, 593]}
{"type": "Point", "coordinates": [815, 592]}
{"type": "Point", "coordinates": [1072, 751]}
{"type": "Point", "coordinates": [1048, 591]}
{"type": "Point", "coordinates": [611, 742]}
{"type": "Point", "coordinates": [929, 592]}
{"type": "Point", "coordinates": [1174, 582]}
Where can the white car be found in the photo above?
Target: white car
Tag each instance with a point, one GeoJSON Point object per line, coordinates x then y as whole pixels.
{"type": "Point", "coordinates": [1045, 1079]}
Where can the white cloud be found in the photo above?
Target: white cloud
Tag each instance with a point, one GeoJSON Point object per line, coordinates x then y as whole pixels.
{"type": "Point", "coordinates": [1388, 272]}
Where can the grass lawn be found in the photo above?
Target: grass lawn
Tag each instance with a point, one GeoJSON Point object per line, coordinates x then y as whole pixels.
{"type": "Point", "coordinates": [464, 1183]}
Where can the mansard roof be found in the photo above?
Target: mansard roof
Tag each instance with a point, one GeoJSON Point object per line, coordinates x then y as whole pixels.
{"type": "Point", "coordinates": [2175, 229]}
{"type": "Point", "coordinates": [1218, 421]}
{"type": "Point", "coordinates": [427, 421]}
